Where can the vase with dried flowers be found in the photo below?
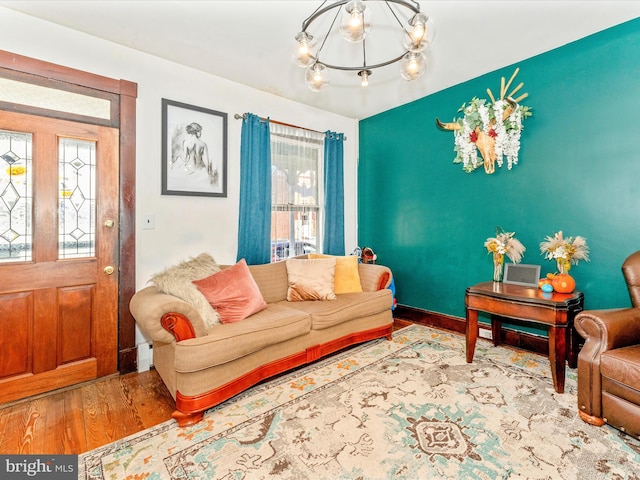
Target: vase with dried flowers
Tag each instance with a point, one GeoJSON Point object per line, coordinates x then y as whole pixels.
{"type": "Point", "coordinates": [504, 243]}
{"type": "Point", "coordinates": [565, 251]}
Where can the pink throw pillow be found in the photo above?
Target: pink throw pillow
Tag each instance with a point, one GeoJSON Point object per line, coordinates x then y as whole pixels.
{"type": "Point", "coordinates": [232, 292]}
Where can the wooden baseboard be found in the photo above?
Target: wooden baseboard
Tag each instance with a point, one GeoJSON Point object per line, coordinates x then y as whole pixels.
{"type": "Point", "coordinates": [513, 338]}
{"type": "Point", "coordinates": [128, 360]}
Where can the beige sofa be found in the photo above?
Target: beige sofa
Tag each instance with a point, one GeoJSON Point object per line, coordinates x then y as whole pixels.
{"type": "Point", "coordinates": [203, 367]}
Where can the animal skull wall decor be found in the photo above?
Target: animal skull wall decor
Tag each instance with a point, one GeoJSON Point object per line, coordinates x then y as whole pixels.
{"type": "Point", "coordinates": [493, 129]}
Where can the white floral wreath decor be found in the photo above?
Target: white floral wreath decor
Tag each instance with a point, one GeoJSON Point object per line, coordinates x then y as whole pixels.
{"type": "Point", "coordinates": [491, 129]}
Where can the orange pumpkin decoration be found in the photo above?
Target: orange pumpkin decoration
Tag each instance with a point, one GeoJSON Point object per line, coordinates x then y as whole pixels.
{"type": "Point", "coordinates": [563, 283]}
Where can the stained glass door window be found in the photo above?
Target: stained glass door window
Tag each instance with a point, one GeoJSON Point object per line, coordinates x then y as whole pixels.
{"type": "Point", "coordinates": [77, 204]}
{"type": "Point", "coordinates": [15, 197]}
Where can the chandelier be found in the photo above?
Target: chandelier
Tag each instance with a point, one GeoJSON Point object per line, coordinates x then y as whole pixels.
{"type": "Point", "coordinates": [353, 21]}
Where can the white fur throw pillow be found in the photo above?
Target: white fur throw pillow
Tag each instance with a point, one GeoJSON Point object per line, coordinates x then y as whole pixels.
{"type": "Point", "coordinates": [177, 281]}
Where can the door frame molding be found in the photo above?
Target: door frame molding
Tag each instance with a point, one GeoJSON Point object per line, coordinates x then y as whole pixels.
{"type": "Point", "coordinates": [127, 93]}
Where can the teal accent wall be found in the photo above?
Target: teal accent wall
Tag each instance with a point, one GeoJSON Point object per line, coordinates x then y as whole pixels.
{"type": "Point", "coordinates": [579, 172]}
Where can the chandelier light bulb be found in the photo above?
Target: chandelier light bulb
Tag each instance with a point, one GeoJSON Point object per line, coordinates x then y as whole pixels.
{"type": "Point", "coordinates": [356, 21]}
{"type": "Point", "coordinates": [419, 34]}
{"type": "Point", "coordinates": [417, 23]}
{"type": "Point", "coordinates": [412, 66]}
{"type": "Point", "coordinates": [364, 74]}
{"type": "Point", "coordinates": [317, 77]}
{"type": "Point", "coordinates": [304, 53]}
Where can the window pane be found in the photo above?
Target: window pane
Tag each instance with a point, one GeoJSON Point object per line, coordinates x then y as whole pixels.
{"type": "Point", "coordinates": [16, 197]}
{"type": "Point", "coordinates": [285, 225]}
{"type": "Point", "coordinates": [296, 173]}
{"type": "Point", "coordinates": [77, 205]}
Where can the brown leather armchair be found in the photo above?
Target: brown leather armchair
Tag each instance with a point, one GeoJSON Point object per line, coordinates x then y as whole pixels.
{"type": "Point", "coordinates": [609, 362]}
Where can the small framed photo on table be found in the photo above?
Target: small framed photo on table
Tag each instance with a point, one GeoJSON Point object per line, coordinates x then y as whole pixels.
{"type": "Point", "coordinates": [194, 150]}
{"type": "Point", "coordinates": [521, 274]}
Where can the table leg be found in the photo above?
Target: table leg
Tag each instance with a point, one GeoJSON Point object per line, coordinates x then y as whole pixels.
{"type": "Point", "coordinates": [496, 330]}
{"type": "Point", "coordinates": [572, 346]}
{"type": "Point", "coordinates": [472, 333]}
{"type": "Point", "coordinates": [557, 356]}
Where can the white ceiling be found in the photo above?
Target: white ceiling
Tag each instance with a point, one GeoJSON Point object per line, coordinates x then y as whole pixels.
{"type": "Point", "coordinates": [250, 42]}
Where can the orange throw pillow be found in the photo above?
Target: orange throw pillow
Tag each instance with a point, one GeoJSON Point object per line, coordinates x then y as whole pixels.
{"type": "Point", "coordinates": [233, 293]}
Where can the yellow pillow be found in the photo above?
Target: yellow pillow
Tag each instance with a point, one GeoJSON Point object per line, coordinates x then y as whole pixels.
{"type": "Point", "coordinates": [347, 278]}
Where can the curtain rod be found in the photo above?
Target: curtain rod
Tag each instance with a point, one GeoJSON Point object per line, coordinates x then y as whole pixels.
{"type": "Point", "coordinates": [237, 116]}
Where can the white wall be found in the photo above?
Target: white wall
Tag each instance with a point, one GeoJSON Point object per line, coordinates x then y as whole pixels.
{"type": "Point", "coordinates": [184, 226]}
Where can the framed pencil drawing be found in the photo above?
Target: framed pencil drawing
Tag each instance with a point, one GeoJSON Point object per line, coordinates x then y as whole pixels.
{"type": "Point", "coordinates": [194, 150]}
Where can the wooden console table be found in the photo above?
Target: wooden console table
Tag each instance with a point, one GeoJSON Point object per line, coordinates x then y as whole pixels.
{"type": "Point", "coordinates": [529, 304]}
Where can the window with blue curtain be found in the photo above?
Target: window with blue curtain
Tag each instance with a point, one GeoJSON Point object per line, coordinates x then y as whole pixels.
{"type": "Point", "coordinates": [291, 192]}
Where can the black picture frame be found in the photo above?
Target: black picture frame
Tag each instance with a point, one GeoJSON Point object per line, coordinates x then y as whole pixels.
{"type": "Point", "coordinates": [194, 150]}
{"type": "Point", "coordinates": [521, 274]}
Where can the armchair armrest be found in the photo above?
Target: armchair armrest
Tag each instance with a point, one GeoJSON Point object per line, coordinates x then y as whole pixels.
{"type": "Point", "coordinates": [609, 329]}
{"type": "Point", "coordinates": [374, 277]}
{"type": "Point", "coordinates": [164, 318]}
{"type": "Point", "coordinates": [602, 330]}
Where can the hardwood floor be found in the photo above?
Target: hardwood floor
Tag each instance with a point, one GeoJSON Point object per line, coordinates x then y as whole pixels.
{"type": "Point", "coordinates": [399, 323]}
{"type": "Point", "coordinates": [78, 419]}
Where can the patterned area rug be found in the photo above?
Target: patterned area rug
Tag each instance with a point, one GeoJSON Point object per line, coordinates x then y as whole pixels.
{"type": "Point", "coordinates": [411, 408]}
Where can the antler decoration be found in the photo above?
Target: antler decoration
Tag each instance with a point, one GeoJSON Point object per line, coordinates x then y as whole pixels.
{"type": "Point", "coordinates": [504, 88]}
{"type": "Point", "coordinates": [491, 129]}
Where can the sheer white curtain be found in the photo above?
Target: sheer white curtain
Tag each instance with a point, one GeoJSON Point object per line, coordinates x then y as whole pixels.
{"type": "Point", "coordinates": [296, 191]}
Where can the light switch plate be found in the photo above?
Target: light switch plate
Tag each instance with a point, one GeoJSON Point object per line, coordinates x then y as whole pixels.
{"type": "Point", "coordinates": [148, 221]}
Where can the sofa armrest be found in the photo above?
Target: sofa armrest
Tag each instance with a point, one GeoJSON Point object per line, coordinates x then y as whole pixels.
{"type": "Point", "coordinates": [149, 307]}
{"type": "Point", "coordinates": [374, 277]}
{"type": "Point", "coordinates": [178, 325]}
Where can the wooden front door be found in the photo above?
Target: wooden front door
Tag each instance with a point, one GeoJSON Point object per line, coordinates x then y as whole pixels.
{"type": "Point", "coordinates": [58, 253]}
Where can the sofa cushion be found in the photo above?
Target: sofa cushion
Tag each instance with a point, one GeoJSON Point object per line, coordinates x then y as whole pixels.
{"type": "Point", "coordinates": [232, 292]}
{"type": "Point", "coordinates": [310, 279]}
{"type": "Point", "coordinates": [346, 307]}
{"type": "Point", "coordinates": [227, 342]}
{"type": "Point", "coordinates": [347, 278]}
{"type": "Point", "coordinates": [272, 280]}
{"type": "Point", "coordinates": [177, 281]}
